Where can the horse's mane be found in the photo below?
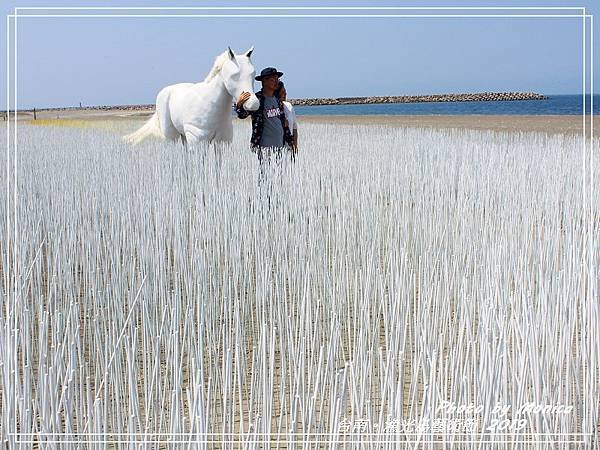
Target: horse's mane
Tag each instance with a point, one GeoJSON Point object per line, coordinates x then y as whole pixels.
{"type": "Point", "coordinates": [217, 66]}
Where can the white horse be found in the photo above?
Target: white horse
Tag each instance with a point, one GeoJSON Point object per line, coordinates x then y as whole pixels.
{"type": "Point", "coordinates": [202, 111]}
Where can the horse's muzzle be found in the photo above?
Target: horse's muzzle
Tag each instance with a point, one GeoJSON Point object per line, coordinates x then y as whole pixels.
{"type": "Point", "coordinates": [252, 104]}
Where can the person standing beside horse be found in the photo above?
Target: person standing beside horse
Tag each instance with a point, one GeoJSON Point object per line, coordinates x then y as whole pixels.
{"type": "Point", "coordinates": [290, 115]}
{"type": "Point", "coordinates": [270, 130]}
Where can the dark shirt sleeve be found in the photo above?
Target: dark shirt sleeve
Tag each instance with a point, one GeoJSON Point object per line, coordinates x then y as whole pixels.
{"type": "Point", "coordinates": [241, 112]}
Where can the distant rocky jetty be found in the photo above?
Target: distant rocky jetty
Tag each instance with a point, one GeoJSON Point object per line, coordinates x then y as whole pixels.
{"type": "Point", "coordinates": [478, 97]}
{"type": "Point", "coordinates": [98, 108]}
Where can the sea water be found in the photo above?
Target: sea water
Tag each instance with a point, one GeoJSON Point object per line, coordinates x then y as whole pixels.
{"type": "Point", "coordinates": [554, 105]}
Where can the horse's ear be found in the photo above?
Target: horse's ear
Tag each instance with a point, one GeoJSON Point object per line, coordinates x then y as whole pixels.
{"type": "Point", "coordinates": [249, 52]}
{"type": "Point", "coordinates": [231, 54]}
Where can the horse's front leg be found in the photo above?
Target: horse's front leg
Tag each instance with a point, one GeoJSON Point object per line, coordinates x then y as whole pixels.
{"type": "Point", "coordinates": [194, 134]}
{"type": "Point", "coordinates": [225, 132]}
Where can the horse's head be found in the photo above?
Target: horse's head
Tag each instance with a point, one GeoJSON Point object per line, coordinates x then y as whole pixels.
{"type": "Point", "coordinates": [238, 75]}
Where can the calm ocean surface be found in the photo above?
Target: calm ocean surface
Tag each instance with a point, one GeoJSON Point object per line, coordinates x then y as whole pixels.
{"type": "Point", "coordinates": [555, 105]}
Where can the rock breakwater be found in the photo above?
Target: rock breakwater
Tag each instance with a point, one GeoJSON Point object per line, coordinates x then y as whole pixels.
{"type": "Point", "coordinates": [476, 97]}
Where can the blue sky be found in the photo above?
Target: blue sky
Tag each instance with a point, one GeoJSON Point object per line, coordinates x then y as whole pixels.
{"type": "Point", "coordinates": [115, 61]}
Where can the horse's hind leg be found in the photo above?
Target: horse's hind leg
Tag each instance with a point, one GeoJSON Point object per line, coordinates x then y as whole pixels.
{"type": "Point", "coordinates": [164, 115]}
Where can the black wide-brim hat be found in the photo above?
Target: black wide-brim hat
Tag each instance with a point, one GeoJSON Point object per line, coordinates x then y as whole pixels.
{"type": "Point", "coordinates": [266, 72]}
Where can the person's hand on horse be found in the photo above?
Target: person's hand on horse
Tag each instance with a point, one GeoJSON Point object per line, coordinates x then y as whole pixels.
{"type": "Point", "coordinates": [244, 96]}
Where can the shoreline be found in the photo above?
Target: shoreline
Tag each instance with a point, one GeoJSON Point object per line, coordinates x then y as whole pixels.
{"type": "Point", "coordinates": [328, 101]}
{"type": "Point", "coordinates": [552, 124]}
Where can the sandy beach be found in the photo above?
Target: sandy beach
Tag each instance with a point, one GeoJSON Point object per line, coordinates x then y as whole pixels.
{"type": "Point", "coordinates": [547, 124]}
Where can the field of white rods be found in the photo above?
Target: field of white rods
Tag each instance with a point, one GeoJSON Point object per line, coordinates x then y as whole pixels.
{"type": "Point", "coordinates": [361, 297]}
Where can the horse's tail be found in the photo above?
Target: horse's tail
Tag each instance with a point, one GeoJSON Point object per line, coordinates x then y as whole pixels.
{"type": "Point", "coordinates": [150, 128]}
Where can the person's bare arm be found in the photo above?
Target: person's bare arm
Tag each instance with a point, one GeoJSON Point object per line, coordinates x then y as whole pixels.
{"type": "Point", "coordinates": [243, 98]}
{"type": "Point", "coordinates": [239, 105]}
